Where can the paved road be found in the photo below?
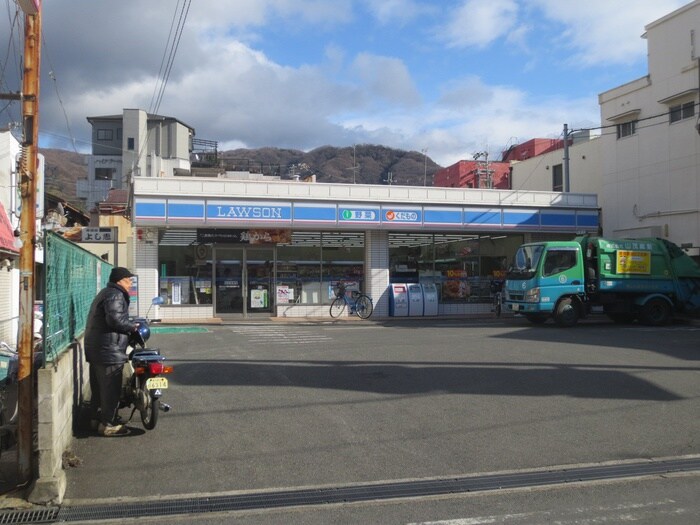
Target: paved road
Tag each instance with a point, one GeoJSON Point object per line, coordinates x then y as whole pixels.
{"type": "Point", "coordinates": [271, 405]}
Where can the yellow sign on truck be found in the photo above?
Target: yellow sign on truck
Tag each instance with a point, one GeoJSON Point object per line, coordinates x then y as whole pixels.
{"type": "Point", "coordinates": [633, 262]}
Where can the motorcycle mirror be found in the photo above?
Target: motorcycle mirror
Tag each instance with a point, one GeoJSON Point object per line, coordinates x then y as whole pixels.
{"type": "Point", "coordinates": [157, 300]}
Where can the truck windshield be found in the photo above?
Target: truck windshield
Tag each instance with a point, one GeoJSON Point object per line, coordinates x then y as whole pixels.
{"type": "Point", "coordinates": [525, 261]}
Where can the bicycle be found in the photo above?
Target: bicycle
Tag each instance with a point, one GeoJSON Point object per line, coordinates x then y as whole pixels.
{"type": "Point", "coordinates": [497, 291]}
{"type": "Point", "coordinates": [359, 303]}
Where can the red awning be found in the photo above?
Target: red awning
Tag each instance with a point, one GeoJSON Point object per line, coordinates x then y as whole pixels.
{"type": "Point", "coordinates": [7, 237]}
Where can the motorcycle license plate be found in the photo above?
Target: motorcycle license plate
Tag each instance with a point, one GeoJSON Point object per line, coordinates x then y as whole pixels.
{"type": "Point", "coordinates": [154, 383]}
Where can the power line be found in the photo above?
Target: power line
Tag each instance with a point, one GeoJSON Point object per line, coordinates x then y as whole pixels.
{"type": "Point", "coordinates": [173, 45]}
{"type": "Point", "coordinates": [14, 23]}
{"type": "Point", "coordinates": [58, 95]}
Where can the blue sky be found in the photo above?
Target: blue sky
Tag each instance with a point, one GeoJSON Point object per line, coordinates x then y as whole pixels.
{"type": "Point", "coordinates": [450, 76]}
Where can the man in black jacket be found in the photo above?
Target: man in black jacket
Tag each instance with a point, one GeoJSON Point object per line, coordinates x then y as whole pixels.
{"type": "Point", "coordinates": [106, 339]}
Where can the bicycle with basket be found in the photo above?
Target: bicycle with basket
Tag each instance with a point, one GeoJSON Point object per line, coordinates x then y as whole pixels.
{"type": "Point", "coordinates": [358, 303]}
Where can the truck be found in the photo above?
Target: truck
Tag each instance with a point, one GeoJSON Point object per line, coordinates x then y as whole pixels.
{"type": "Point", "coordinates": [649, 280]}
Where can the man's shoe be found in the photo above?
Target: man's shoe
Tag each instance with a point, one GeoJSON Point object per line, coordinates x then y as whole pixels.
{"type": "Point", "coordinates": [112, 430]}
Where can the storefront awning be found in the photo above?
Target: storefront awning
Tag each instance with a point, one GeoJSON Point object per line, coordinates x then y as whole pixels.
{"type": "Point", "coordinates": [7, 237]}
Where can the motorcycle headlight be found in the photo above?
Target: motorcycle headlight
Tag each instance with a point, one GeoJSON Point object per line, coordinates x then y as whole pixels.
{"type": "Point", "coordinates": [532, 296]}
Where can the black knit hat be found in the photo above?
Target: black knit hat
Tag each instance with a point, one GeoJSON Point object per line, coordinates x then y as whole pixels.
{"type": "Point", "coordinates": [118, 274]}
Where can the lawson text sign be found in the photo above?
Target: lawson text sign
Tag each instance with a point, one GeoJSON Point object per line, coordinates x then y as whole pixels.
{"type": "Point", "coordinates": [233, 212]}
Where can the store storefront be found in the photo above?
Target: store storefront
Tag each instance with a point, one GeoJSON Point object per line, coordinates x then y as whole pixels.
{"type": "Point", "coordinates": [283, 251]}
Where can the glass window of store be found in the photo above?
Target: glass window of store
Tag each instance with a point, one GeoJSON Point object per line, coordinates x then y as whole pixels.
{"type": "Point", "coordinates": [299, 268]}
{"type": "Point", "coordinates": [185, 270]}
{"type": "Point", "coordinates": [461, 265]}
{"type": "Point", "coordinates": [309, 266]}
{"type": "Point", "coordinates": [342, 257]}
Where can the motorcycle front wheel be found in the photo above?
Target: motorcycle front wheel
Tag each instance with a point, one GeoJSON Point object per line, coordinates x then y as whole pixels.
{"type": "Point", "coordinates": [149, 407]}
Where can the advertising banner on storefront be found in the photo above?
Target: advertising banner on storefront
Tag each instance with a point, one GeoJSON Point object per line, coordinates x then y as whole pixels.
{"type": "Point", "coordinates": [224, 236]}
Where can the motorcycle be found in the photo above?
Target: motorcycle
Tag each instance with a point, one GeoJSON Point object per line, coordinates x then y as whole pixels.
{"type": "Point", "coordinates": [143, 376]}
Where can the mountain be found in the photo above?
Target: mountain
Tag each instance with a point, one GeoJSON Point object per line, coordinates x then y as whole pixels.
{"type": "Point", "coordinates": [331, 164]}
{"type": "Point", "coordinates": [61, 171]}
{"type": "Point", "coordinates": [375, 164]}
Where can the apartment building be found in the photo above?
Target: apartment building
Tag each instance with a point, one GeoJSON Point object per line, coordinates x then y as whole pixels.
{"type": "Point", "coordinates": [134, 143]}
{"type": "Point", "coordinates": [650, 142]}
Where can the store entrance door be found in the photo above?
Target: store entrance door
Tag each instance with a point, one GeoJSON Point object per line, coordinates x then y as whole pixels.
{"type": "Point", "coordinates": [259, 273]}
{"type": "Point", "coordinates": [228, 294]}
{"type": "Point", "coordinates": [243, 278]}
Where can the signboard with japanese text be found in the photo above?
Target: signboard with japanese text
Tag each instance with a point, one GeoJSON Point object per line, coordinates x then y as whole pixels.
{"type": "Point", "coordinates": [212, 236]}
{"type": "Point", "coordinates": [633, 262]}
{"type": "Point", "coordinates": [89, 234]}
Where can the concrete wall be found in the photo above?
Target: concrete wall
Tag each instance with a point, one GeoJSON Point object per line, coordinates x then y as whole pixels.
{"type": "Point", "coordinates": [61, 388]}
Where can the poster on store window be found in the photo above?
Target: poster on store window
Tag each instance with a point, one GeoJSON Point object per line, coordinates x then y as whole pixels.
{"type": "Point", "coordinates": [133, 296]}
{"type": "Point", "coordinates": [258, 298]}
{"type": "Point", "coordinates": [285, 294]}
{"type": "Point", "coordinates": [177, 293]}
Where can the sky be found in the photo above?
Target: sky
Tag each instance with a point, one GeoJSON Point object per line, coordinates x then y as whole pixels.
{"type": "Point", "coordinates": [446, 77]}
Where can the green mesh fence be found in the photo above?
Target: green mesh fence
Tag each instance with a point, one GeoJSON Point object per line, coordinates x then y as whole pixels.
{"type": "Point", "coordinates": [73, 278]}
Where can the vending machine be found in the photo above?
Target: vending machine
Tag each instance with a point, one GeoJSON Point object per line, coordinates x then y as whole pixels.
{"type": "Point", "coordinates": [398, 303]}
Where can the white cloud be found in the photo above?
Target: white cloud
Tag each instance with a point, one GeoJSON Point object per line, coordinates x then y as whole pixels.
{"type": "Point", "coordinates": [479, 22]}
{"type": "Point", "coordinates": [396, 11]}
{"type": "Point", "coordinates": [604, 31]}
{"type": "Point", "coordinates": [208, 14]}
{"type": "Point", "coordinates": [387, 78]}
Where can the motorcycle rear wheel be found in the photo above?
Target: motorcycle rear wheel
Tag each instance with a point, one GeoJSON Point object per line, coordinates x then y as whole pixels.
{"type": "Point", "coordinates": [149, 407]}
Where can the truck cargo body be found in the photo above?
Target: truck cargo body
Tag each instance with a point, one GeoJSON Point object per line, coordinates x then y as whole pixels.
{"type": "Point", "coordinates": [645, 279]}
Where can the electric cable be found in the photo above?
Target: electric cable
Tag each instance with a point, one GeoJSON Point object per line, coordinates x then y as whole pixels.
{"type": "Point", "coordinates": [14, 23]}
{"type": "Point", "coordinates": [162, 61]}
{"type": "Point", "coordinates": [52, 76]}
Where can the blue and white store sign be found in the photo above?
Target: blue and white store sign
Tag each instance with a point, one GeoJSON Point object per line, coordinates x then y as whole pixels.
{"type": "Point", "coordinates": [240, 213]}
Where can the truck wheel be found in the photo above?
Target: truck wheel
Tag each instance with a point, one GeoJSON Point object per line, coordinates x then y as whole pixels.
{"type": "Point", "coordinates": [536, 319]}
{"type": "Point", "coordinates": [656, 312]}
{"type": "Point", "coordinates": [567, 313]}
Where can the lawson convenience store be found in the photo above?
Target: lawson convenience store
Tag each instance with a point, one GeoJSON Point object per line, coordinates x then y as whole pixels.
{"type": "Point", "coordinates": [218, 248]}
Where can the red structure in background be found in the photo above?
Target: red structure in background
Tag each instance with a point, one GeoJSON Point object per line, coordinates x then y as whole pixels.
{"type": "Point", "coordinates": [496, 175]}
{"type": "Point", "coordinates": [474, 174]}
{"type": "Point", "coordinates": [531, 148]}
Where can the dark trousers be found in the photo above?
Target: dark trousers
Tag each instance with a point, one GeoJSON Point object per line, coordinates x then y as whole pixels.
{"type": "Point", "coordinates": [106, 386]}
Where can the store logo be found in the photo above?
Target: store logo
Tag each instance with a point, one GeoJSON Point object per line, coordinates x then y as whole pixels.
{"type": "Point", "coordinates": [403, 216]}
{"type": "Point", "coordinates": [358, 215]}
{"type": "Point", "coordinates": [249, 212]}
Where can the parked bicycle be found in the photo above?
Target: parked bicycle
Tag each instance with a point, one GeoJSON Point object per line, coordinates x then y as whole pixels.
{"type": "Point", "coordinates": [358, 303]}
{"type": "Point", "coordinates": [497, 291]}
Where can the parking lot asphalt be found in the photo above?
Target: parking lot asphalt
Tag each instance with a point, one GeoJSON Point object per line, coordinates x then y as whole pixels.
{"type": "Point", "coordinates": [260, 404]}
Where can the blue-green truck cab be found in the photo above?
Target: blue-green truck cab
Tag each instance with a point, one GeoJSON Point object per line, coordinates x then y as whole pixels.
{"type": "Point", "coordinates": [646, 279]}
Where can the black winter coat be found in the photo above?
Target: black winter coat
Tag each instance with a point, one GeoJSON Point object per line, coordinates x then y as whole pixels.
{"type": "Point", "coordinates": [108, 326]}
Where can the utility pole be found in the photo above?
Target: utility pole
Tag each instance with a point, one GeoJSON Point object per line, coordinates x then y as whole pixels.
{"type": "Point", "coordinates": [355, 167]}
{"type": "Point", "coordinates": [566, 158]}
{"type": "Point", "coordinates": [27, 228]}
{"type": "Point", "coordinates": [483, 169]}
{"type": "Point", "coordinates": [424, 151]}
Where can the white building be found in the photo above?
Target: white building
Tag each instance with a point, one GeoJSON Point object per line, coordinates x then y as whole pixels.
{"type": "Point", "coordinates": [10, 207]}
{"type": "Point", "coordinates": [9, 253]}
{"type": "Point", "coordinates": [650, 143]}
{"type": "Point", "coordinates": [545, 172]}
{"type": "Point", "coordinates": [133, 143]}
